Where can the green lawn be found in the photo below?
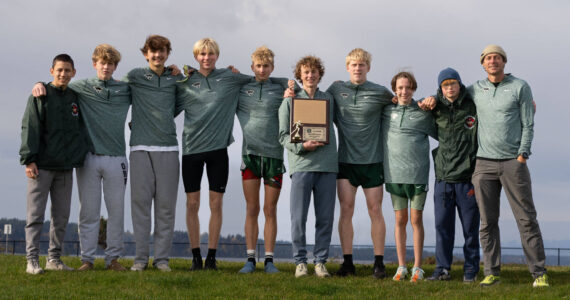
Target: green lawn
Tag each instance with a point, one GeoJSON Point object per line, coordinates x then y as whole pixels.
{"type": "Point", "coordinates": [516, 283]}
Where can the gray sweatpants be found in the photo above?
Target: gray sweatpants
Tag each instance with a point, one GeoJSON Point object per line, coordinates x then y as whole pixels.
{"type": "Point", "coordinates": [111, 172]}
{"type": "Point", "coordinates": [323, 188]}
{"type": "Point", "coordinates": [488, 179]}
{"type": "Point", "coordinates": [58, 185]}
{"type": "Point", "coordinates": [154, 175]}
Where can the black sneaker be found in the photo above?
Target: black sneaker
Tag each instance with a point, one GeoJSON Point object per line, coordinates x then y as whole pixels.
{"type": "Point", "coordinates": [379, 271]}
{"type": "Point", "coordinates": [345, 270]}
{"type": "Point", "coordinates": [196, 264]}
{"type": "Point", "coordinates": [469, 278]}
{"type": "Point", "coordinates": [210, 264]}
{"type": "Point", "coordinates": [440, 274]}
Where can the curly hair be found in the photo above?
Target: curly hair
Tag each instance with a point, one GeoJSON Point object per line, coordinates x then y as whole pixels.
{"type": "Point", "coordinates": [309, 61]}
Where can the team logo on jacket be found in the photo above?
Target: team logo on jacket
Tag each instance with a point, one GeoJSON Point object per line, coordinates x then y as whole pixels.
{"type": "Point", "coordinates": [148, 76]}
{"type": "Point", "coordinates": [344, 95]}
{"type": "Point", "coordinates": [74, 110]}
{"type": "Point", "coordinates": [249, 92]}
{"type": "Point", "coordinates": [196, 85]}
{"type": "Point", "coordinates": [469, 122]}
{"type": "Point", "coordinates": [98, 89]}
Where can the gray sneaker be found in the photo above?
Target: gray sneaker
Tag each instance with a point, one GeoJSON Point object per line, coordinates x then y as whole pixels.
{"type": "Point", "coordinates": [33, 267]}
{"type": "Point", "coordinates": [55, 264]}
{"type": "Point", "coordinates": [138, 266]}
{"type": "Point", "coordinates": [440, 274]}
{"type": "Point", "coordinates": [321, 271]}
{"type": "Point", "coordinates": [163, 267]}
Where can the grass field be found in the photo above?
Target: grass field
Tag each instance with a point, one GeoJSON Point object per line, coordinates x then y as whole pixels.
{"type": "Point", "coordinates": [516, 283]}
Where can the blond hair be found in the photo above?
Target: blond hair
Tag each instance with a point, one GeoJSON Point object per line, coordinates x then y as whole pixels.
{"type": "Point", "coordinates": [106, 53]}
{"type": "Point", "coordinates": [263, 55]}
{"type": "Point", "coordinates": [359, 54]}
{"type": "Point", "coordinates": [208, 44]}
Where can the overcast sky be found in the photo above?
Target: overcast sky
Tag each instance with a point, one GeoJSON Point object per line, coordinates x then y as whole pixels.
{"type": "Point", "coordinates": [419, 36]}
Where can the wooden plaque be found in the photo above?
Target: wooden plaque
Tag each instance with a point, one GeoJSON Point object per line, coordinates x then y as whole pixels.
{"type": "Point", "coordinates": [309, 120]}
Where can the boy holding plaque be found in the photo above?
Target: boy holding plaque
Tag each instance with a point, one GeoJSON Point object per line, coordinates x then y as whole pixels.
{"type": "Point", "coordinates": [313, 167]}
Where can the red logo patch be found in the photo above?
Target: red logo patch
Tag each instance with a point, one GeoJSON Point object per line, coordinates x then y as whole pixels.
{"type": "Point", "coordinates": [471, 193]}
{"type": "Point", "coordinates": [74, 110]}
{"type": "Point", "coordinates": [469, 122]}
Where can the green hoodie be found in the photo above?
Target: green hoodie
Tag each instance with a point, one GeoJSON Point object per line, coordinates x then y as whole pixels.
{"type": "Point", "coordinates": [154, 100]}
{"type": "Point", "coordinates": [53, 134]}
{"type": "Point", "coordinates": [506, 117]}
{"type": "Point", "coordinates": [456, 125]}
{"type": "Point", "coordinates": [209, 113]}
{"type": "Point", "coordinates": [104, 106]}
{"type": "Point", "coordinates": [324, 158]}
{"type": "Point", "coordinates": [358, 119]}
{"type": "Point", "coordinates": [406, 145]}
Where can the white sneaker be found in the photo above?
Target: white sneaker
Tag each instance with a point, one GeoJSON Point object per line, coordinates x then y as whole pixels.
{"type": "Point", "coordinates": [55, 264]}
{"type": "Point", "coordinates": [138, 266]}
{"type": "Point", "coordinates": [301, 270]}
{"type": "Point", "coordinates": [163, 267]}
{"type": "Point", "coordinates": [33, 267]}
{"type": "Point", "coordinates": [321, 271]}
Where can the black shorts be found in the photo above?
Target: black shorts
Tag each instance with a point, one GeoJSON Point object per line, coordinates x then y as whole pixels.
{"type": "Point", "coordinates": [217, 169]}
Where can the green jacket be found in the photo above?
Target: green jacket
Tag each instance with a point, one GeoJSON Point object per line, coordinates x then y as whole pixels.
{"type": "Point", "coordinates": [406, 145]}
{"type": "Point", "coordinates": [258, 115]}
{"type": "Point", "coordinates": [154, 100]}
{"type": "Point", "coordinates": [358, 119]}
{"type": "Point", "coordinates": [53, 134]}
{"type": "Point", "coordinates": [209, 111]}
{"type": "Point", "coordinates": [456, 125]}
{"type": "Point", "coordinates": [506, 117]}
{"type": "Point", "coordinates": [324, 158]}
{"type": "Point", "coordinates": [104, 106]}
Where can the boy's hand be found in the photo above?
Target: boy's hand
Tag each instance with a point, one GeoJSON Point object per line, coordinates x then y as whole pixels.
{"type": "Point", "coordinates": [38, 90]}
{"type": "Point", "coordinates": [32, 170]}
{"type": "Point", "coordinates": [290, 92]}
{"type": "Point", "coordinates": [312, 145]}
{"type": "Point", "coordinates": [188, 70]}
{"type": "Point", "coordinates": [175, 70]}
{"type": "Point", "coordinates": [427, 104]}
{"type": "Point", "coordinates": [233, 69]}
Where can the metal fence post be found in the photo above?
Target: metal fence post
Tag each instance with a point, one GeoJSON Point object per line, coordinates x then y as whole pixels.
{"type": "Point", "coordinates": [558, 256]}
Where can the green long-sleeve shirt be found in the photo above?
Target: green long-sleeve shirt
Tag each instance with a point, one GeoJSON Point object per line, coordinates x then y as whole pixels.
{"type": "Point", "coordinates": [154, 100]}
{"type": "Point", "coordinates": [104, 106]}
{"type": "Point", "coordinates": [324, 158]}
{"type": "Point", "coordinates": [358, 119]}
{"type": "Point", "coordinates": [506, 117]}
{"type": "Point", "coordinates": [209, 114]}
{"type": "Point", "coordinates": [406, 145]}
{"type": "Point", "coordinates": [53, 134]}
{"type": "Point", "coordinates": [258, 114]}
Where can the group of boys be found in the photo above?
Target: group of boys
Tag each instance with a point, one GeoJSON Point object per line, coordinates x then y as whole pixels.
{"type": "Point", "coordinates": [484, 132]}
